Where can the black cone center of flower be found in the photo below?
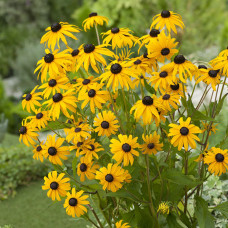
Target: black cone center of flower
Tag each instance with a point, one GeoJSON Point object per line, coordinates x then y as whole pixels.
{"type": "Point", "coordinates": [48, 58]}
{"type": "Point", "coordinates": [116, 68]}
{"type": "Point", "coordinates": [213, 73]}
{"type": "Point", "coordinates": [137, 62]}
{"type": "Point", "coordinates": [219, 157]}
{"type": "Point", "coordinates": [163, 74]}
{"type": "Point", "coordinates": [52, 151]}
{"type": "Point", "coordinates": [39, 115]}
{"type": "Point", "coordinates": [109, 177]}
{"type": "Point", "coordinates": [83, 167]}
{"type": "Point", "coordinates": [166, 97]}
{"type": "Point", "coordinates": [105, 124]}
{"type": "Point", "coordinates": [39, 148]}
{"type": "Point", "coordinates": [147, 100]}
{"type": "Point", "coordinates": [179, 59]}
{"type": "Point", "coordinates": [150, 146]}
{"type": "Point", "coordinates": [92, 14]}
{"type": "Point", "coordinates": [75, 52]}
{"type": "Point", "coordinates": [52, 83]}
{"type": "Point", "coordinates": [77, 129]}
{"type": "Point", "coordinates": [141, 77]}
{"type": "Point", "coordinates": [165, 51]}
{"type": "Point", "coordinates": [92, 147]}
{"type": "Point", "coordinates": [28, 97]}
{"type": "Point", "coordinates": [88, 48]}
{"type": "Point", "coordinates": [23, 130]}
{"type": "Point", "coordinates": [175, 86]}
{"type": "Point", "coordinates": [57, 97]}
{"type": "Point", "coordinates": [165, 13]}
{"type": "Point", "coordinates": [184, 131]}
{"type": "Point", "coordinates": [54, 185]}
{"type": "Point", "coordinates": [79, 144]}
{"type": "Point", "coordinates": [126, 147]}
{"type": "Point", "coordinates": [92, 93]}
{"type": "Point", "coordinates": [115, 30]}
{"type": "Point", "coordinates": [145, 55]}
{"type": "Point", "coordinates": [154, 32]}
{"type": "Point", "coordinates": [202, 67]}
{"type": "Point", "coordinates": [73, 202]}
{"type": "Point", "coordinates": [69, 121]}
{"type": "Point", "coordinates": [55, 27]}
{"type": "Point", "coordinates": [86, 81]}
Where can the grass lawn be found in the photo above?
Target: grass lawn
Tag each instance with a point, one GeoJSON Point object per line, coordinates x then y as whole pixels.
{"type": "Point", "coordinates": [31, 208]}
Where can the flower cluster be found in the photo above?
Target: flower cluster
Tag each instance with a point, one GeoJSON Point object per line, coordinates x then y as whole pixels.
{"type": "Point", "coordinates": [108, 110]}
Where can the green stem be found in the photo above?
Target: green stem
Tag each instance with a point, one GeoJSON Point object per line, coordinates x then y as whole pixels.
{"type": "Point", "coordinates": [186, 188]}
{"type": "Point", "coordinates": [95, 215]}
{"type": "Point", "coordinates": [152, 210]}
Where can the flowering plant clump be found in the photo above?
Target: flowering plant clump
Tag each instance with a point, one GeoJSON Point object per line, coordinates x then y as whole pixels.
{"type": "Point", "coordinates": [128, 146]}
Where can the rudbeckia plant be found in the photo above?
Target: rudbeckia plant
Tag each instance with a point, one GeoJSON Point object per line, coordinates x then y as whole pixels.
{"type": "Point", "coordinates": [128, 146]}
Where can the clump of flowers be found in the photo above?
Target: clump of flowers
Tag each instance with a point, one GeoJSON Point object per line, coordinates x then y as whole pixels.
{"type": "Point", "coordinates": [122, 130]}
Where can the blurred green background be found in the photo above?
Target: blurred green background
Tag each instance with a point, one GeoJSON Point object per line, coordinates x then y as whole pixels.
{"type": "Point", "coordinates": [22, 24]}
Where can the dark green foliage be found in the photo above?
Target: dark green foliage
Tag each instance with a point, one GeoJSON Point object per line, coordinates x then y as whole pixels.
{"type": "Point", "coordinates": [17, 167]}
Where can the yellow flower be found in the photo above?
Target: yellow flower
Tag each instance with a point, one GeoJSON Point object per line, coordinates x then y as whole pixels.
{"type": "Point", "coordinates": [92, 151]}
{"type": "Point", "coordinates": [27, 134]}
{"type": "Point", "coordinates": [120, 37]}
{"type": "Point", "coordinates": [152, 144]}
{"type": "Point", "coordinates": [40, 120]}
{"type": "Point", "coordinates": [79, 132]}
{"type": "Point", "coordinates": [86, 168]}
{"type": "Point", "coordinates": [54, 85]}
{"type": "Point", "coordinates": [119, 73]}
{"type": "Point", "coordinates": [162, 47]}
{"type": "Point", "coordinates": [212, 128]}
{"type": "Point", "coordinates": [106, 123]}
{"type": "Point", "coordinates": [81, 145]}
{"type": "Point", "coordinates": [90, 55]}
{"type": "Point", "coordinates": [53, 64]}
{"type": "Point", "coordinates": [54, 150]}
{"type": "Point", "coordinates": [140, 65]}
{"type": "Point", "coordinates": [94, 19]}
{"type": "Point", "coordinates": [58, 31]}
{"type": "Point", "coordinates": [163, 208]}
{"type": "Point", "coordinates": [139, 80]}
{"type": "Point", "coordinates": [161, 79]}
{"type": "Point", "coordinates": [176, 88]}
{"type": "Point", "coordinates": [217, 159]}
{"type": "Point", "coordinates": [57, 185]}
{"type": "Point", "coordinates": [84, 84]}
{"type": "Point", "coordinates": [182, 67]}
{"type": "Point", "coordinates": [167, 19]}
{"type": "Point", "coordinates": [124, 149]}
{"type": "Point", "coordinates": [209, 76]}
{"type": "Point", "coordinates": [184, 134]}
{"type": "Point", "coordinates": [153, 34]}
{"type": "Point", "coordinates": [62, 102]}
{"type": "Point", "coordinates": [169, 99]}
{"type": "Point", "coordinates": [146, 108]}
{"type": "Point", "coordinates": [74, 57]}
{"type": "Point", "coordinates": [37, 152]}
{"type": "Point", "coordinates": [95, 97]}
{"type": "Point", "coordinates": [75, 202]}
{"type": "Point", "coordinates": [111, 177]}
{"type": "Point", "coordinates": [31, 100]}
{"type": "Point", "coordinates": [221, 63]}
{"type": "Point", "coordinates": [120, 225]}
{"type": "Point", "coordinates": [202, 155]}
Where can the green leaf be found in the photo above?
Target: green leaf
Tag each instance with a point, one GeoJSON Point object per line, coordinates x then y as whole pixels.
{"type": "Point", "coordinates": [74, 164]}
{"type": "Point", "coordinates": [55, 125]}
{"type": "Point", "coordinates": [223, 208]}
{"type": "Point", "coordinates": [174, 222]}
{"type": "Point", "coordinates": [179, 178]}
{"type": "Point", "coordinates": [204, 217]}
{"type": "Point", "coordinates": [220, 104]}
{"type": "Point", "coordinates": [149, 88]}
